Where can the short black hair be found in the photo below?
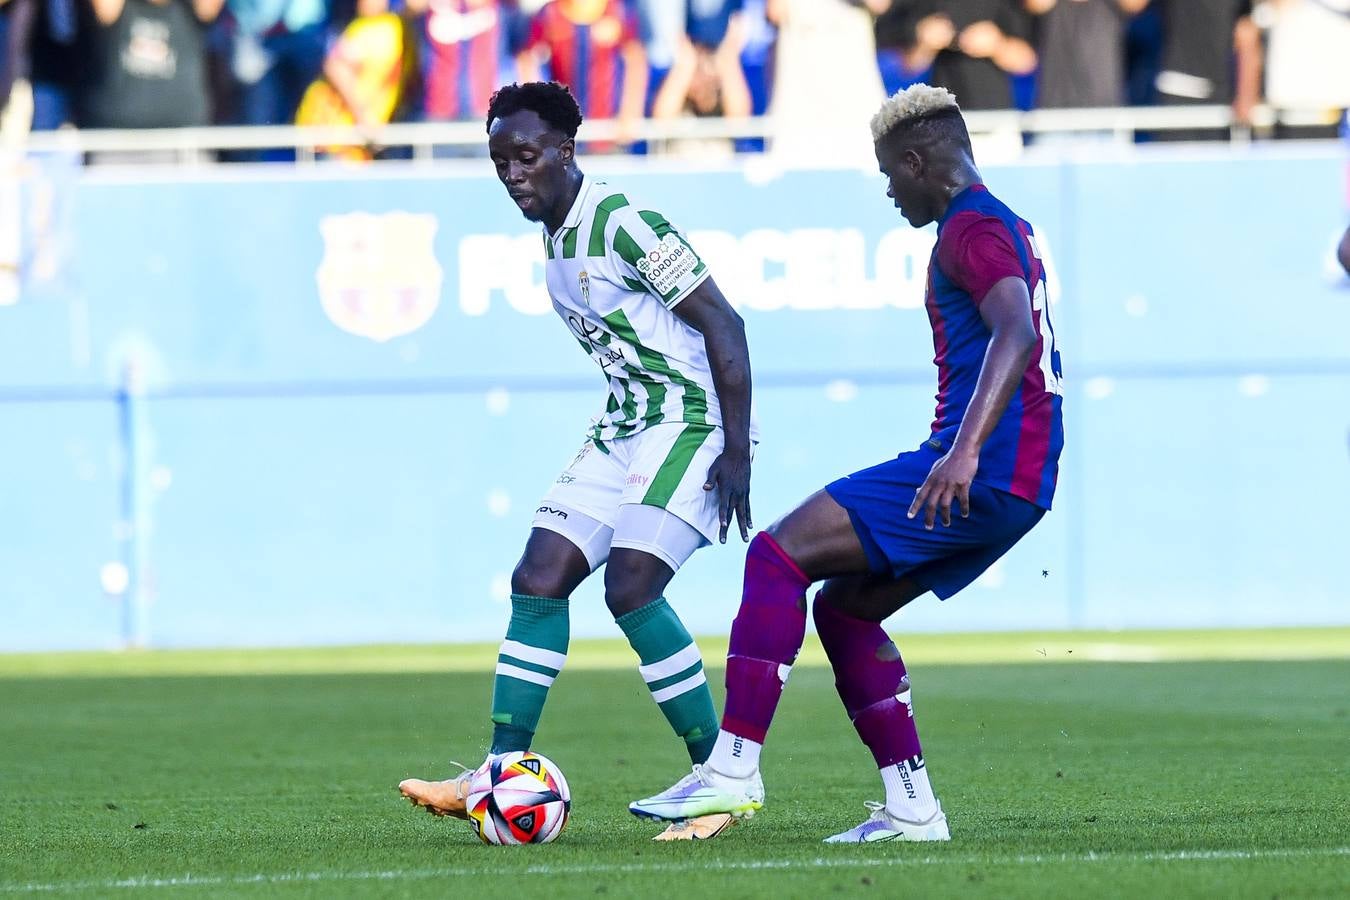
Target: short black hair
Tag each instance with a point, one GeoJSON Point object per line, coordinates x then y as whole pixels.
{"type": "Point", "coordinates": [552, 101]}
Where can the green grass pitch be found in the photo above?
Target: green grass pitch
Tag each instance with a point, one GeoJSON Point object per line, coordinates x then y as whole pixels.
{"type": "Point", "coordinates": [1134, 765]}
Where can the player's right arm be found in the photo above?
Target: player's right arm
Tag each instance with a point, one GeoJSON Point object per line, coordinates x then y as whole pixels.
{"type": "Point", "coordinates": [1006, 310]}
{"type": "Point", "coordinates": [977, 253]}
{"type": "Point", "coordinates": [723, 330]}
{"type": "Point", "coordinates": [1343, 254]}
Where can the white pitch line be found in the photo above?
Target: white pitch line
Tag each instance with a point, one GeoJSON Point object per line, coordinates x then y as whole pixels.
{"type": "Point", "coordinates": [819, 862]}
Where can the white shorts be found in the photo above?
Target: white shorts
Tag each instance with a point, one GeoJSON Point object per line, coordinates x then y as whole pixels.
{"type": "Point", "coordinates": [663, 466]}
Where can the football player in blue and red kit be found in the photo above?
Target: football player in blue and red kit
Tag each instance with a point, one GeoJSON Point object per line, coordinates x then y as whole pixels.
{"type": "Point", "coordinates": [932, 519]}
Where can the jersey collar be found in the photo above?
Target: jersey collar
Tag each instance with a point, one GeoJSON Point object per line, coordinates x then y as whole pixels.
{"type": "Point", "coordinates": [578, 207]}
{"type": "Point", "coordinates": [960, 201]}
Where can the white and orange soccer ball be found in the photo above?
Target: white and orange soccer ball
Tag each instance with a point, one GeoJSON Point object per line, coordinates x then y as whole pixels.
{"type": "Point", "coordinates": [518, 798]}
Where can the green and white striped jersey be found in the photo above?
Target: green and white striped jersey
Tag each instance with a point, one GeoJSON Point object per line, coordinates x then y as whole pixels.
{"type": "Point", "coordinates": [615, 271]}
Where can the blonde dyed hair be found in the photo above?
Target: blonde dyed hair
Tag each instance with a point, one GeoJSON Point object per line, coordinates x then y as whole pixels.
{"type": "Point", "coordinates": [912, 103]}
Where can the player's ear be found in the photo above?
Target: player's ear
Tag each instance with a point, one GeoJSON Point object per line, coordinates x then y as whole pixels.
{"type": "Point", "coordinates": [914, 162]}
{"type": "Point", "coordinates": [567, 149]}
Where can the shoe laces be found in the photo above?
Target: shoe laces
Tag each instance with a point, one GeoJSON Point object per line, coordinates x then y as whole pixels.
{"type": "Point", "coordinates": [462, 779]}
{"type": "Point", "coordinates": [701, 774]}
{"type": "Point", "coordinates": [877, 810]}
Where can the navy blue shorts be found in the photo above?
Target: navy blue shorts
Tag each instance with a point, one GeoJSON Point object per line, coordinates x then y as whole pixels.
{"type": "Point", "coordinates": [947, 558]}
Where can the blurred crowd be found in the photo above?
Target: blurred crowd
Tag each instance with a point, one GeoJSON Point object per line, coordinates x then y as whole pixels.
{"type": "Point", "coordinates": [167, 63]}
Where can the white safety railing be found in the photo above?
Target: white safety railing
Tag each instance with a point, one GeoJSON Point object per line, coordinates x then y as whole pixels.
{"type": "Point", "coordinates": [427, 140]}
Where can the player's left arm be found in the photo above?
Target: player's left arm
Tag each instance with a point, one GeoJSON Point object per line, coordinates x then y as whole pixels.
{"type": "Point", "coordinates": [1006, 310]}
{"type": "Point", "coordinates": [723, 330]}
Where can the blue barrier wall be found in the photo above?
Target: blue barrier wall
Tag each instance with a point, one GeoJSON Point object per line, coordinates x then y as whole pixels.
{"type": "Point", "coordinates": [348, 393]}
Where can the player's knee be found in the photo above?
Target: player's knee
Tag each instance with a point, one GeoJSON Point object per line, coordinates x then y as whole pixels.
{"type": "Point", "coordinates": [621, 603]}
{"type": "Point", "coordinates": [633, 579]}
{"type": "Point", "coordinates": [534, 580]}
{"type": "Point", "coordinates": [624, 598]}
{"type": "Point", "coordinates": [832, 597]}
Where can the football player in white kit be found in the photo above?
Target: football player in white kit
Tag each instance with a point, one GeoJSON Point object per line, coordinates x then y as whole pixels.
{"type": "Point", "coordinates": [663, 471]}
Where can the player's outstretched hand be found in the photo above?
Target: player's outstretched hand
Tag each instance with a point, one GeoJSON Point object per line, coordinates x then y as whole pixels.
{"type": "Point", "coordinates": [948, 480]}
{"type": "Point", "coordinates": [730, 476]}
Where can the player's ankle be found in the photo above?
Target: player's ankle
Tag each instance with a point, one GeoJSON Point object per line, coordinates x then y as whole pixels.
{"type": "Point", "coordinates": [734, 756]}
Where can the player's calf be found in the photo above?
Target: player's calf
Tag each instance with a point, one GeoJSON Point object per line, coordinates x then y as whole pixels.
{"type": "Point", "coordinates": [766, 637]}
{"type": "Point", "coordinates": [874, 685]}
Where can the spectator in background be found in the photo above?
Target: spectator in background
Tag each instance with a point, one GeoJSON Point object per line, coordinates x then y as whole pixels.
{"type": "Point", "coordinates": [706, 78]}
{"type": "Point", "coordinates": [974, 48]}
{"type": "Point", "coordinates": [143, 64]}
{"type": "Point", "coordinates": [369, 78]}
{"type": "Point", "coordinates": [39, 61]}
{"type": "Point", "coordinates": [894, 31]}
{"type": "Point", "coordinates": [1211, 54]}
{"type": "Point", "coordinates": [826, 83]}
{"type": "Point", "coordinates": [1307, 60]}
{"type": "Point", "coordinates": [278, 50]}
{"type": "Point", "coordinates": [1143, 55]}
{"type": "Point", "coordinates": [757, 56]}
{"type": "Point", "coordinates": [591, 46]}
{"type": "Point", "coordinates": [16, 101]}
{"type": "Point", "coordinates": [464, 42]}
{"type": "Point", "coordinates": [661, 25]}
{"type": "Point", "coordinates": [1081, 47]}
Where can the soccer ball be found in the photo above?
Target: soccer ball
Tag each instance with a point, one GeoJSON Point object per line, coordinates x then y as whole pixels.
{"type": "Point", "coordinates": [518, 798]}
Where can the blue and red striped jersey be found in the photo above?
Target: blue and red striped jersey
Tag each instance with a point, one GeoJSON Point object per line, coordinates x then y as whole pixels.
{"type": "Point", "coordinates": [980, 242]}
{"type": "Point", "coordinates": [464, 43]}
{"type": "Point", "coordinates": [586, 58]}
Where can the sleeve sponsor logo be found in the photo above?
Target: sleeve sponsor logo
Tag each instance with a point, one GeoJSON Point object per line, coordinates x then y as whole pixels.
{"type": "Point", "coordinates": [666, 264]}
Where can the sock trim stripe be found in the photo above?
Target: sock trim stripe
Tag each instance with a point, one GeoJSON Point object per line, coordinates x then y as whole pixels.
{"type": "Point", "coordinates": [528, 666]}
{"type": "Point", "coordinates": [510, 671]}
{"type": "Point", "coordinates": [540, 656]}
{"type": "Point", "coordinates": [698, 679]}
{"type": "Point", "coordinates": [657, 684]}
{"type": "Point", "coordinates": [672, 665]}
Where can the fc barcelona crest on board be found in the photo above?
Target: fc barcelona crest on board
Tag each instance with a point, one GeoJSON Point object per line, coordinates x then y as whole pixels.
{"type": "Point", "coordinates": [379, 277]}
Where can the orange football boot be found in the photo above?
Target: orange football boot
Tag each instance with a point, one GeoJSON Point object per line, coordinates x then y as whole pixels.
{"type": "Point", "coordinates": [440, 798]}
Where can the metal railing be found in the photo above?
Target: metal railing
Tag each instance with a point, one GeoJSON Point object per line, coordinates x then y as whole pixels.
{"type": "Point", "coordinates": [428, 140]}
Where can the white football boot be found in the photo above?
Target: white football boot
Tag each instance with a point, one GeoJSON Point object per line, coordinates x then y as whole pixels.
{"type": "Point", "coordinates": [882, 826]}
{"type": "Point", "coordinates": [703, 792]}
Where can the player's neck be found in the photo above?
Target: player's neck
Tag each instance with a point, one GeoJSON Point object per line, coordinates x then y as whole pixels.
{"type": "Point", "coordinates": [955, 181]}
{"type": "Point", "coordinates": [555, 217]}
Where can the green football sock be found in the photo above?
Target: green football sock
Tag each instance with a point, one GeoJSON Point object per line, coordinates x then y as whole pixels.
{"type": "Point", "coordinates": [673, 669]}
{"type": "Point", "coordinates": [530, 658]}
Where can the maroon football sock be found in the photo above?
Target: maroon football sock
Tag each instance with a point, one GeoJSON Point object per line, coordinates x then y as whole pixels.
{"type": "Point", "coordinates": [765, 638]}
{"type": "Point", "coordinates": [870, 677]}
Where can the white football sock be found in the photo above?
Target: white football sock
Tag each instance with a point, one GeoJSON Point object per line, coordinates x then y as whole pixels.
{"type": "Point", "coordinates": [734, 756]}
{"type": "Point", "coordinates": [909, 796]}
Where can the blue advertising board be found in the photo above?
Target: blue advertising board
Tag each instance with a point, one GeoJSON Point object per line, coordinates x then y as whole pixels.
{"type": "Point", "coordinates": [288, 406]}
